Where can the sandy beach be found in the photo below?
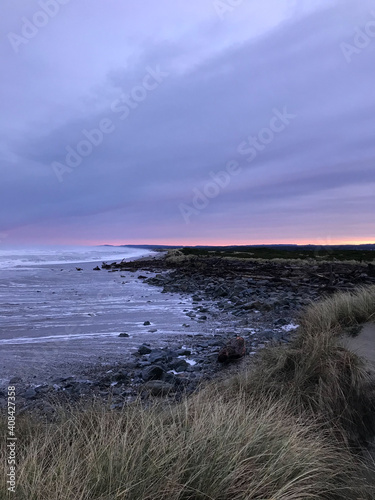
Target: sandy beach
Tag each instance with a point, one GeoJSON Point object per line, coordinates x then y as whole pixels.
{"type": "Point", "coordinates": [364, 344]}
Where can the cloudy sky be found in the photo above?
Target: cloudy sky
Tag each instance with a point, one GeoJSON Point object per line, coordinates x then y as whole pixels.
{"type": "Point", "coordinates": [187, 122]}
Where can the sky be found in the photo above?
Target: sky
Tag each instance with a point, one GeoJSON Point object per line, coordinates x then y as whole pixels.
{"type": "Point", "coordinates": [187, 122]}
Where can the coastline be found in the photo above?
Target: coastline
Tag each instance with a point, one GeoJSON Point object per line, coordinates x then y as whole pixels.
{"type": "Point", "coordinates": [218, 299]}
{"type": "Point", "coordinates": [305, 401]}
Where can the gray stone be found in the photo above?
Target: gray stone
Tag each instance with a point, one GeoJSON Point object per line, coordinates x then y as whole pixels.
{"type": "Point", "coordinates": [183, 352]}
{"type": "Point", "coordinates": [60, 380]}
{"type": "Point", "coordinates": [30, 393]}
{"type": "Point", "coordinates": [144, 349]}
{"type": "Point", "coordinates": [15, 380]}
{"type": "Point", "coordinates": [157, 356]}
{"type": "Point", "coordinates": [170, 378]}
{"type": "Point", "coordinates": [42, 389]}
{"type": "Point", "coordinates": [152, 373]}
{"type": "Point", "coordinates": [121, 376]}
{"type": "Point", "coordinates": [179, 365]}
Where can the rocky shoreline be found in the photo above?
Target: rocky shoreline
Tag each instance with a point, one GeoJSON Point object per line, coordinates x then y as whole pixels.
{"type": "Point", "coordinates": [257, 300]}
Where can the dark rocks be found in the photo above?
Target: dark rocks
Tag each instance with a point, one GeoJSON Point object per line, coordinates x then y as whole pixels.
{"type": "Point", "coordinates": [126, 335]}
{"type": "Point", "coordinates": [79, 268]}
{"type": "Point", "coordinates": [179, 365]}
{"type": "Point", "coordinates": [43, 389]}
{"type": "Point", "coordinates": [15, 380]}
{"type": "Point", "coordinates": [183, 352]}
{"type": "Point", "coordinates": [97, 268]}
{"type": "Point", "coordinates": [153, 372]}
{"type": "Point", "coordinates": [141, 277]}
{"type": "Point", "coordinates": [121, 376]}
{"type": "Point", "coordinates": [146, 323]}
{"type": "Point", "coordinates": [158, 356]}
{"type": "Point", "coordinates": [60, 380]}
{"type": "Point", "coordinates": [280, 322]}
{"type": "Point", "coordinates": [234, 350]}
{"type": "Point", "coordinates": [30, 393]}
{"type": "Point", "coordinates": [270, 335]}
{"type": "Point", "coordinates": [144, 349]}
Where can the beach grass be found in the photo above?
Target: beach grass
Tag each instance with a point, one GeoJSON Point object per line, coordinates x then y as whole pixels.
{"type": "Point", "coordinates": [291, 425]}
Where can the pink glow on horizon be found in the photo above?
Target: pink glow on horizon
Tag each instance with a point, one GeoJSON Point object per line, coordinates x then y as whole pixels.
{"type": "Point", "coordinates": [218, 242]}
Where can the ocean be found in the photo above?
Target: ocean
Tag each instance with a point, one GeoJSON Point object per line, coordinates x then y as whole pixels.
{"type": "Point", "coordinates": [53, 317]}
{"type": "Point", "coordinates": [21, 258]}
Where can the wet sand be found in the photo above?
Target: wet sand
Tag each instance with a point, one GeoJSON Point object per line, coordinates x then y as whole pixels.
{"type": "Point", "coordinates": [57, 321]}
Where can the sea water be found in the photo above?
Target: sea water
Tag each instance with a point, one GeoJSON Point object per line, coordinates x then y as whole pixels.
{"type": "Point", "coordinates": [52, 314]}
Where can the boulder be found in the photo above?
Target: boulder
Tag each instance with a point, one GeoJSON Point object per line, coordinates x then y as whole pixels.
{"type": "Point", "coordinates": [30, 393]}
{"type": "Point", "coordinates": [15, 380]}
{"type": "Point", "coordinates": [179, 365]}
{"type": "Point", "coordinates": [144, 349]}
{"type": "Point", "coordinates": [154, 372]}
{"type": "Point", "coordinates": [124, 335]}
{"type": "Point", "coordinates": [158, 356]}
{"type": "Point", "coordinates": [121, 376]}
{"type": "Point", "coordinates": [183, 352]}
{"type": "Point", "coordinates": [234, 349]}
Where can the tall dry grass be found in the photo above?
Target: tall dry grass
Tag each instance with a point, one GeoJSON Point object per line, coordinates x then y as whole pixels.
{"type": "Point", "coordinates": [204, 448]}
{"type": "Point", "coordinates": [316, 374]}
{"type": "Point", "coordinates": [340, 311]}
{"type": "Point", "coordinates": [282, 429]}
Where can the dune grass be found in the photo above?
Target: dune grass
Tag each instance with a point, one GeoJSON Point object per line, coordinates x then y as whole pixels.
{"type": "Point", "coordinates": [316, 374]}
{"type": "Point", "coordinates": [340, 311]}
{"type": "Point", "coordinates": [205, 448]}
{"type": "Point", "coordinates": [287, 427]}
